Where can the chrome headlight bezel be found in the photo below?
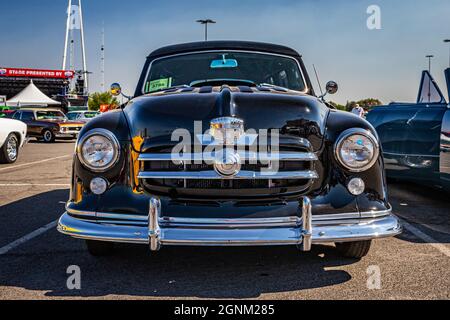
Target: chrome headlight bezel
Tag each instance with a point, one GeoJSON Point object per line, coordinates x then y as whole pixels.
{"type": "Point", "coordinates": [357, 131]}
{"type": "Point", "coordinates": [105, 134]}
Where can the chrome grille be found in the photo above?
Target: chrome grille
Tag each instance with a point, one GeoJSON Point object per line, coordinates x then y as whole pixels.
{"type": "Point", "coordinates": [160, 173]}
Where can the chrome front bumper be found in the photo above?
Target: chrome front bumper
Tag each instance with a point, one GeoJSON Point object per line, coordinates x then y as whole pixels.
{"type": "Point", "coordinates": [302, 232]}
{"type": "Point", "coordinates": [66, 135]}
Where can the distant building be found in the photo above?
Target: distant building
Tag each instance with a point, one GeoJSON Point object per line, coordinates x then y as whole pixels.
{"type": "Point", "coordinates": [53, 83]}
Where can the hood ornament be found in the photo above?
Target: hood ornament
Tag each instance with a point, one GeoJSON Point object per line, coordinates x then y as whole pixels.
{"type": "Point", "coordinates": [227, 130]}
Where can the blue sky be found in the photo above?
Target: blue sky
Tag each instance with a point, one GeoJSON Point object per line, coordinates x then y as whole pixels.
{"type": "Point", "coordinates": [332, 34]}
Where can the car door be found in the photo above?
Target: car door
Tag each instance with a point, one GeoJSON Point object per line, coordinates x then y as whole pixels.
{"type": "Point", "coordinates": [410, 133]}
{"type": "Point", "coordinates": [29, 118]}
{"type": "Point", "coordinates": [445, 149]}
{"type": "Point", "coordinates": [445, 141]}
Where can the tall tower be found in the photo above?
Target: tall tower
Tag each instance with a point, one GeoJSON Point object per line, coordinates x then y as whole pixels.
{"type": "Point", "coordinates": [75, 22]}
{"type": "Point", "coordinates": [102, 64]}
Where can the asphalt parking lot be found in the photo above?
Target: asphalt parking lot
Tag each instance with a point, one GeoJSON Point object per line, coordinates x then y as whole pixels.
{"type": "Point", "coordinates": [34, 257]}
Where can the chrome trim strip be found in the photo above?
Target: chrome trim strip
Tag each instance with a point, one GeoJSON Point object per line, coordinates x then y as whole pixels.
{"type": "Point", "coordinates": [209, 51]}
{"type": "Point", "coordinates": [410, 155]}
{"type": "Point", "coordinates": [205, 222]}
{"type": "Point", "coordinates": [231, 223]}
{"type": "Point", "coordinates": [245, 156]}
{"type": "Point", "coordinates": [242, 175]}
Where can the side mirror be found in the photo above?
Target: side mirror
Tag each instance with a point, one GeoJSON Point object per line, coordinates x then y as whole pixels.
{"type": "Point", "coordinates": [116, 89]}
{"type": "Point", "coordinates": [332, 87]}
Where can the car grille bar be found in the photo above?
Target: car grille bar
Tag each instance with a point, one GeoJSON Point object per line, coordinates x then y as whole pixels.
{"type": "Point", "coordinates": [242, 175]}
{"type": "Point", "coordinates": [245, 156]}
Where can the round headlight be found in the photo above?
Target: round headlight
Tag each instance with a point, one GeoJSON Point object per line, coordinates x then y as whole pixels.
{"type": "Point", "coordinates": [98, 150]}
{"type": "Point", "coordinates": [357, 150]}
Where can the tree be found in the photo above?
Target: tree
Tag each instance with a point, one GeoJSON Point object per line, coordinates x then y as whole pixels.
{"type": "Point", "coordinates": [367, 104]}
{"type": "Point", "coordinates": [98, 98]}
{"type": "Point", "coordinates": [337, 105]}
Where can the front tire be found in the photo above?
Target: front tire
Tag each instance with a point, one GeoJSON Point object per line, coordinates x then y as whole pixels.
{"type": "Point", "coordinates": [99, 248]}
{"type": "Point", "coordinates": [10, 150]}
{"type": "Point", "coordinates": [48, 136]}
{"type": "Point", "coordinates": [356, 250]}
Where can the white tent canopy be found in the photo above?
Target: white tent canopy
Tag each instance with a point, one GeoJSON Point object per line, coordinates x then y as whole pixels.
{"type": "Point", "coordinates": [31, 95]}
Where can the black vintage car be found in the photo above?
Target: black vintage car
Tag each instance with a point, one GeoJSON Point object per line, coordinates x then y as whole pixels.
{"type": "Point", "coordinates": [415, 137]}
{"type": "Point", "coordinates": [226, 144]}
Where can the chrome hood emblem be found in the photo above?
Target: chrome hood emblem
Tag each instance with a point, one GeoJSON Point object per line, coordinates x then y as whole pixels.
{"type": "Point", "coordinates": [227, 130]}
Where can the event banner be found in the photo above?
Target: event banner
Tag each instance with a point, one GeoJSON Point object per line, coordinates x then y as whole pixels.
{"type": "Point", "coordinates": [36, 73]}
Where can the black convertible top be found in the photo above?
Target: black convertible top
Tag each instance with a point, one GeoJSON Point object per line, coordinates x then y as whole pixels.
{"type": "Point", "coordinates": [223, 45]}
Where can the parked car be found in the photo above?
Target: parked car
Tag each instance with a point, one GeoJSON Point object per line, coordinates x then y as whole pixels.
{"type": "Point", "coordinates": [6, 113]}
{"type": "Point", "coordinates": [135, 181]}
{"type": "Point", "coordinates": [416, 136]}
{"type": "Point", "coordinates": [82, 116]}
{"type": "Point", "coordinates": [48, 124]}
{"type": "Point", "coordinates": [12, 137]}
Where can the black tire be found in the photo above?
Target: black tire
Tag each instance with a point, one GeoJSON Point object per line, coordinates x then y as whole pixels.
{"type": "Point", "coordinates": [48, 136]}
{"type": "Point", "coordinates": [99, 248]}
{"type": "Point", "coordinates": [10, 150]}
{"type": "Point", "coordinates": [355, 250]}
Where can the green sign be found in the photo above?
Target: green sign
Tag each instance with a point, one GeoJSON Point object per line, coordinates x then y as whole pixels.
{"type": "Point", "coordinates": [159, 84]}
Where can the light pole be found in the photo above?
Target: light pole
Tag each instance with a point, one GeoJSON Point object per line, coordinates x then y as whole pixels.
{"type": "Point", "coordinates": [448, 41]}
{"type": "Point", "coordinates": [430, 56]}
{"type": "Point", "coordinates": [205, 22]}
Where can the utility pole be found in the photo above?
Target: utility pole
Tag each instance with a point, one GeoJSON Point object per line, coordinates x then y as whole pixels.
{"type": "Point", "coordinates": [102, 85]}
{"type": "Point", "coordinates": [430, 56]}
{"type": "Point", "coordinates": [205, 22]}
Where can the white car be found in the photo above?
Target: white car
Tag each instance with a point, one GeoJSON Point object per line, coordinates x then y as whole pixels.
{"type": "Point", "coordinates": [12, 137]}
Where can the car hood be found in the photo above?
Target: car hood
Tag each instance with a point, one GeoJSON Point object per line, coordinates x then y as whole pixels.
{"type": "Point", "coordinates": [154, 117]}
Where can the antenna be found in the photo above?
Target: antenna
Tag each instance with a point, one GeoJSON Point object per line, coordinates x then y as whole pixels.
{"type": "Point", "coordinates": [318, 81]}
{"type": "Point", "coordinates": [102, 85]}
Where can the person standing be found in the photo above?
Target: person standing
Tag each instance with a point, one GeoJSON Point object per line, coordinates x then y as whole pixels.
{"type": "Point", "coordinates": [358, 110]}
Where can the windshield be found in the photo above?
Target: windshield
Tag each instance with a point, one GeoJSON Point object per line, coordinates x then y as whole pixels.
{"type": "Point", "coordinates": [216, 67]}
{"type": "Point", "coordinates": [50, 115]}
{"type": "Point", "coordinates": [72, 116]}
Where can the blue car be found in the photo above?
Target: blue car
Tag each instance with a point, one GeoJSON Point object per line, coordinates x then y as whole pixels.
{"type": "Point", "coordinates": [415, 137]}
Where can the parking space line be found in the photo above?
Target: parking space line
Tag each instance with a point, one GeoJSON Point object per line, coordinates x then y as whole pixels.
{"type": "Point", "coordinates": [426, 238]}
{"type": "Point", "coordinates": [27, 238]}
{"type": "Point", "coordinates": [36, 162]}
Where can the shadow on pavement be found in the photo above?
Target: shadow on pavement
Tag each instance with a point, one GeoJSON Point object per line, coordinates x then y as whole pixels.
{"type": "Point", "coordinates": [204, 272]}
{"type": "Point", "coordinates": [425, 208]}
{"type": "Point", "coordinates": [21, 217]}
{"type": "Point", "coordinates": [188, 272]}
